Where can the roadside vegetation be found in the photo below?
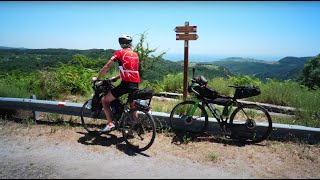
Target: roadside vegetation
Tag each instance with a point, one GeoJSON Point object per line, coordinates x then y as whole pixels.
{"type": "Point", "coordinates": [74, 78]}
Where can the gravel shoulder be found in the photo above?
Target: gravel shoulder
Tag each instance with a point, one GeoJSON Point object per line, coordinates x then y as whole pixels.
{"type": "Point", "coordinates": [51, 151]}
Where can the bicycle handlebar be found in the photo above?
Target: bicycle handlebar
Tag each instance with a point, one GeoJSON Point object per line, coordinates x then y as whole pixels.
{"type": "Point", "coordinates": [101, 81]}
{"type": "Point", "coordinates": [102, 85]}
{"type": "Point", "coordinates": [194, 91]}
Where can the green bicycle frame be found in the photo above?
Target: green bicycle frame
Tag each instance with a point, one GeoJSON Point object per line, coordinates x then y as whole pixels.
{"type": "Point", "coordinates": [197, 101]}
{"type": "Point", "coordinates": [194, 108]}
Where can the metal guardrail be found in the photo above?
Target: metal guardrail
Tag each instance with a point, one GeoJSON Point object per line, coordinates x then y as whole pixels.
{"type": "Point", "coordinates": [67, 108]}
{"type": "Point", "coordinates": [281, 131]}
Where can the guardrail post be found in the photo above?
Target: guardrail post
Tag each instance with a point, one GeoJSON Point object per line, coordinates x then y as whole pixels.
{"type": "Point", "coordinates": [35, 113]}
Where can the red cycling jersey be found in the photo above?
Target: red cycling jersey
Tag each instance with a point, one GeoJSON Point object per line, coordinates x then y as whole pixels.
{"type": "Point", "coordinates": [128, 64]}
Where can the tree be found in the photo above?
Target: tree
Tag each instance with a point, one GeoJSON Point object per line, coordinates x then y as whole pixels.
{"type": "Point", "coordinates": [311, 73]}
{"type": "Point", "coordinates": [146, 59]}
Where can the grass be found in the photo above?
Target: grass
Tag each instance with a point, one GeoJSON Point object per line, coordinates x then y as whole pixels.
{"type": "Point", "coordinates": [304, 153]}
{"type": "Point", "coordinates": [28, 121]}
{"type": "Point", "coordinates": [8, 90]}
{"type": "Point", "coordinates": [213, 156]}
{"type": "Point", "coordinates": [186, 138]}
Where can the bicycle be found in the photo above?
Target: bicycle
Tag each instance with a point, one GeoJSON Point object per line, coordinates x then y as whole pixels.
{"type": "Point", "coordinates": [250, 123]}
{"type": "Point", "coordinates": [143, 128]}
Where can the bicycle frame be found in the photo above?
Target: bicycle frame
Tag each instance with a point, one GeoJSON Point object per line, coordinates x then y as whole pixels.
{"type": "Point", "coordinates": [221, 119]}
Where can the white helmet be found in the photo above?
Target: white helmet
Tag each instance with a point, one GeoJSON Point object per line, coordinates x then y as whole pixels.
{"type": "Point", "coordinates": [125, 41]}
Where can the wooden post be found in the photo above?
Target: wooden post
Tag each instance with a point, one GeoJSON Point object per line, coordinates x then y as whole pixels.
{"type": "Point", "coordinates": [186, 37]}
{"type": "Point", "coordinates": [186, 55]}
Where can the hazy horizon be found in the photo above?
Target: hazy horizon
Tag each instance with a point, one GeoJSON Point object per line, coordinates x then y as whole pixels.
{"type": "Point", "coordinates": [194, 57]}
{"type": "Point", "coordinates": [213, 57]}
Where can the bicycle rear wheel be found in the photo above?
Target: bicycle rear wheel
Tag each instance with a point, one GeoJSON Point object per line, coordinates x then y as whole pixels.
{"type": "Point", "coordinates": [91, 121]}
{"type": "Point", "coordinates": [143, 132]}
{"type": "Point", "coordinates": [250, 123]}
{"type": "Point", "coordinates": [182, 120]}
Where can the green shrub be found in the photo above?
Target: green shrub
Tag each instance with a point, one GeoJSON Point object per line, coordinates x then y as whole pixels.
{"type": "Point", "coordinates": [173, 83]}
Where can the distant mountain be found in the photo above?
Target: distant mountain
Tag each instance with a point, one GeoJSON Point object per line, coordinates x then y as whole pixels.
{"type": "Point", "coordinates": [294, 60]}
{"type": "Point", "coordinates": [28, 60]}
{"type": "Point", "coordinates": [4, 47]}
{"type": "Point", "coordinates": [241, 59]}
{"type": "Point", "coordinates": [286, 68]}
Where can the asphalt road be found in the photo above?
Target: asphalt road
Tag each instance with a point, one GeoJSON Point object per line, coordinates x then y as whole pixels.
{"type": "Point", "coordinates": [24, 157]}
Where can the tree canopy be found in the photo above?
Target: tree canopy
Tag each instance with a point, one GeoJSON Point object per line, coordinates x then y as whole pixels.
{"type": "Point", "coordinates": [311, 73]}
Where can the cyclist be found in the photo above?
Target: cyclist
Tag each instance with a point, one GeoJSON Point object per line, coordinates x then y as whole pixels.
{"type": "Point", "coordinates": [130, 78]}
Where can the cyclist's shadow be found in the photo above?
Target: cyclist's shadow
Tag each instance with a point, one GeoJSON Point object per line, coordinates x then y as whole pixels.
{"type": "Point", "coordinates": [107, 139]}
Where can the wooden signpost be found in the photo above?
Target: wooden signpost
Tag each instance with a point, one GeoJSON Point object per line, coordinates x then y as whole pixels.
{"type": "Point", "coordinates": [186, 37]}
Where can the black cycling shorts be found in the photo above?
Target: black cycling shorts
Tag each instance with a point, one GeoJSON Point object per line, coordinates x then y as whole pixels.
{"type": "Point", "coordinates": [123, 88]}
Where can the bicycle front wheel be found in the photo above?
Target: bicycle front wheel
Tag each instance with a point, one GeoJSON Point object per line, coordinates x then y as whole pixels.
{"type": "Point", "coordinates": [143, 128]}
{"type": "Point", "coordinates": [250, 123]}
{"type": "Point", "coordinates": [186, 116]}
{"type": "Point", "coordinates": [91, 121]}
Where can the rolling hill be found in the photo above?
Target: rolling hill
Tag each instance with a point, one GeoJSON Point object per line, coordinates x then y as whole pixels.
{"type": "Point", "coordinates": [28, 60]}
{"type": "Point", "coordinates": [31, 59]}
{"type": "Point", "coordinates": [286, 68]}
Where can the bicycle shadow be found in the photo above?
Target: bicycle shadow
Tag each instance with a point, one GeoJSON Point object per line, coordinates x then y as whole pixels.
{"type": "Point", "coordinates": [182, 137]}
{"type": "Point", "coordinates": [108, 139]}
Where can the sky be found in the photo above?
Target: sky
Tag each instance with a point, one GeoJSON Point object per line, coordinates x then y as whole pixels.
{"type": "Point", "coordinates": [267, 30]}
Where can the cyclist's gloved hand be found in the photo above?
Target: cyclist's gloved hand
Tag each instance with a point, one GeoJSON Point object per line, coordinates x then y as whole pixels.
{"type": "Point", "coordinates": [94, 79]}
{"type": "Point", "coordinates": [113, 79]}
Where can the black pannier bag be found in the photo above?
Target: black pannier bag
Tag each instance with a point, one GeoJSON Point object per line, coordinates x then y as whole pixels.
{"type": "Point", "coordinates": [141, 94]}
{"type": "Point", "coordinates": [116, 106]}
{"type": "Point", "coordinates": [246, 91]}
{"type": "Point", "coordinates": [95, 104]}
{"type": "Point", "coordinates": [141, 98]}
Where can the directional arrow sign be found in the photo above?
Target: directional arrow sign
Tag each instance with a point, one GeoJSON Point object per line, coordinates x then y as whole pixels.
{"type": "Point", "coordinates": [187, 36]}
{"type": "Point", "coordinates": [185, 29]}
